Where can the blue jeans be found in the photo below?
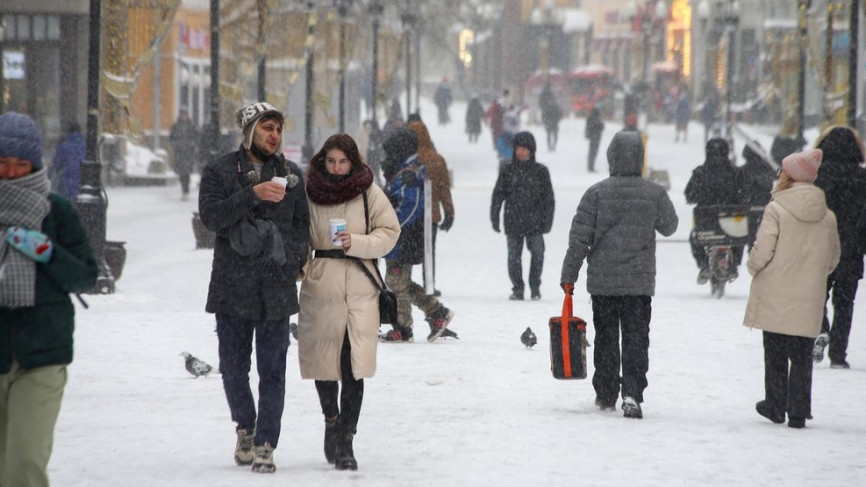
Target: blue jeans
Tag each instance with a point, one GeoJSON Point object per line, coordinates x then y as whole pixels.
{"type": "Point", "coordinates": [235, 353]}
{"type": "Point", "coordinates": [535, 245]}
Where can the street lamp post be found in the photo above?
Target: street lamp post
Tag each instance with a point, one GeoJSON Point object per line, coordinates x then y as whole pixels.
{"type": "Point", "coordinates": [802, 8]}
{"type": "Point", "coordinates": [307, 150]}
{"type": "Point", "coordinates": [214, 130]}
{"type": "Point", "coordinates": [375, 9]}
{"type": "Point", "coordinates": [91, 202]}
{"type": "Point", "coordinates": [343, 7]}
{"type": "Point", "coordinates": [731, 19]}
{"type": "Point", "coordinates": [409, 19]}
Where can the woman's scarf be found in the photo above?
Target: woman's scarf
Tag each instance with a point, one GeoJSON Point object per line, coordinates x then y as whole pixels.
{"type": "Point", "coordinates": [23, 203]}
{"type": "Point", "coordinates": [325, 191]}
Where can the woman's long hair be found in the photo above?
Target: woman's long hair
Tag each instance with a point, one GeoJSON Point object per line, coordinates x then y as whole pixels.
{"type": "Point", "coordinates": [342, 142]}
{"type": "Point", "coordinates": [785, 181]}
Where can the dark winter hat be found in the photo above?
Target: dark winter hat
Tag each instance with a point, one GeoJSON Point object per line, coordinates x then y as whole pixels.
{"type": "Point", "coordinates": [20, 137]}
{"type": "Point", "coordinates": [248, 116]}
{"type": "Point", "coordinates": [841, 143]}
{"type": "Point", "coordinates": [525, 139]}
{"type": "Point", "coordinates": [803, 166]}
{"type": "Point", "coordinates": [717, 148]}
{"type": "Point", "coordinates": [400, 145]}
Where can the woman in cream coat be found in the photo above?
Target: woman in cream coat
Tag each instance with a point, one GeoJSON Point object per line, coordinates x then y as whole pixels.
{"type": "Point", "coordinates": [339, 319]}
{"type": "Point", "coordinates": [797, 247]}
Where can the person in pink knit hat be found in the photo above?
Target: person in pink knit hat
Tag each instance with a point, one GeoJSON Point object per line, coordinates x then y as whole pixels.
{"type": "Point", "coordinates": [797, 247]}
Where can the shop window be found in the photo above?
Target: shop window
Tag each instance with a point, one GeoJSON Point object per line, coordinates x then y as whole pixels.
{"type": "Point", "coordinates": [23, 28]}
{"type": "Point", "coordinates": [38, 27]}
{"type": "Point", "coordinates": [8, 24]}
{"type": "Point", "coordinates": [53, 27]}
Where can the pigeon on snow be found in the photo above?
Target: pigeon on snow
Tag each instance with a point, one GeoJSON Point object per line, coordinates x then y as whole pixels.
{"type": "Point", "coordinates": [528, 338]}
{"type": "Point", "coordinates": [195, 366]}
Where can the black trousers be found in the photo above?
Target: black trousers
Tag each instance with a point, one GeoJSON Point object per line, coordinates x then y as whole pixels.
{"type": "Point", "coordinates": [788, 374]}
{"type": "Point", "coordinates": [610, 314]}
{"type": "Point", "coordinates": [844, 290]}
{"type": "Point", "coordinates": [593, 152]}
{"type": "Point", "coordinates": [351, 397]}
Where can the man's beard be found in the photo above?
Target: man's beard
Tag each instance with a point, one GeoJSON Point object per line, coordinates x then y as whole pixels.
{"type": "Point", "coordinates": [259, 153]}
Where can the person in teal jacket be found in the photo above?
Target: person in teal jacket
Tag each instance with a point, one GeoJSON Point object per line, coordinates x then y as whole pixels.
{"type": "Point", "coordinates": [44, 256]}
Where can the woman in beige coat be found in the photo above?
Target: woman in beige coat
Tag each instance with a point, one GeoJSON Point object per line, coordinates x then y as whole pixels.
{"type": "Point", "coordinates": [797, 247]}
{"type": "Point", "coordinates": [338, 325]}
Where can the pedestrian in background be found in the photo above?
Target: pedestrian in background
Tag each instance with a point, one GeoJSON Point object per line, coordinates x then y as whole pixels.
{"type": "Point", "coordinates": [405, 176]}
{"type": "Point", "coordinates": [524, 188]}
{"type": "Point", "coordinates": [550, 115]}
{"type": "Point", "coordinates": [183, 137]}
{"type": "Point", "coordinates": [442, 98]}
{"type": "Point", "coordinates": [614, 231]}
{"type": "Point", "coordinates": [67, 162]}
{"type": "Point", "coordinates": [44, 256]}
{"type": "Point", "coordinates": [594, 128]}
{"type": "Point", "coordinates": [253, 199]}
{"type": "Point", "coordinates": [797, 248]}
{"type": "Point", "coordinates": [474, 114]}
{"type": "Point", "coordinates": [495, 116]}
{"type": "Point", "coordinates": [682, 114]}
{"type": "Point", "coordinates": [756, 178]}
{"type": "Point", "coordinates": [844, 185]}
{"type": "Point", "coordinates": [440, 183]}
{"type": "Point", "coordinates": [338, 325]}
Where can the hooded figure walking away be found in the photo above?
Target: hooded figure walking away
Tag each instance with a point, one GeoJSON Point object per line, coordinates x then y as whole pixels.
{"type": "Point", "coordinates": [44, 256]}
{"type": "Point", "coordinates": [254, 201]}
{"type": "Point", "coordinates": [844, 185]}
{"type": "Point", "coordinates": [614, 231]}
{"type": "Point", "coordinates": [524, 187]}
{"type": "Point", "coordinates": [338, 325]}
{"type": "Point", "coordinates": [796, 249]}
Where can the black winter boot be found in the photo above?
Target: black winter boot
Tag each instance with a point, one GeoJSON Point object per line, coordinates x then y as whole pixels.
{"type": "Point", "coordinates": [331, 433]}
{"type": "Point", "coordinates": [345, 459]}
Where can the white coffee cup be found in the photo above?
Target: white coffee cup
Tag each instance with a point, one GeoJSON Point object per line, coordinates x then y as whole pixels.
{"type": "Point", "coordinates": [281, 181]}
{"type": "Point", "coordinates": [336, 225]}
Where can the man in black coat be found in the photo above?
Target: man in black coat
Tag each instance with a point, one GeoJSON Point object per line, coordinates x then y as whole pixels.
{"type": "Point", "coordinates": [756, 184]}
{"type": "Point", "coordinates": [716, 182]}
{"type": "Point", "coordinates": [254, 201]}
{"type": "Point", "coordinates": [844, 185]}
{"type": "Point", "coordinates": [524, 187]}
{"type": "Point", "coordinates": [184, 138]}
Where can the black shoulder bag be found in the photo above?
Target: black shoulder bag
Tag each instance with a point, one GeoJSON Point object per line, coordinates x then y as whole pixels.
{"type": "Point", "coordinates": [387, 297]}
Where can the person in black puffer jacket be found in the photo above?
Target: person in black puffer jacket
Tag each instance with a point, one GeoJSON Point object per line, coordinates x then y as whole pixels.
{"type": "Point", "coordinates": [262, 235]}
{"type": "Point", "coordinates": [524, 187]}
{"type": "Point", "coordinates": [844, 185]}
{"type": "Point", "coordinates": [715, 182]}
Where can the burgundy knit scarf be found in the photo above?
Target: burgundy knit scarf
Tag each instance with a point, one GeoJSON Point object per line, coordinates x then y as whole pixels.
{"type": "Point", "coordinates": [324, 192]}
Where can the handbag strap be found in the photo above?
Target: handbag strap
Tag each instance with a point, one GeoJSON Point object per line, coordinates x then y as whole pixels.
{"type": "Point", "coordinates": [567, 312]}
{"type": "Point", "coordinates": [381, 286]}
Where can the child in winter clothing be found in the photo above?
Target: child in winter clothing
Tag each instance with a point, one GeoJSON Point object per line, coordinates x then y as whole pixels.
{"type": "Point", "coordinates": [796, 248]}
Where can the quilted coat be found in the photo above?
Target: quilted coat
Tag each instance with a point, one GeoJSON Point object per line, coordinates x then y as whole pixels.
{"type": "Point", "coordinates": [337, 295]}
{"type": "Point", "coordinates": [796, 249]}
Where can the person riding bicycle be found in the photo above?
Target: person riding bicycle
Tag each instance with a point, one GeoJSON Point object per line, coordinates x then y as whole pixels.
{"type": "Point", "coordinates": [715, 182]}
